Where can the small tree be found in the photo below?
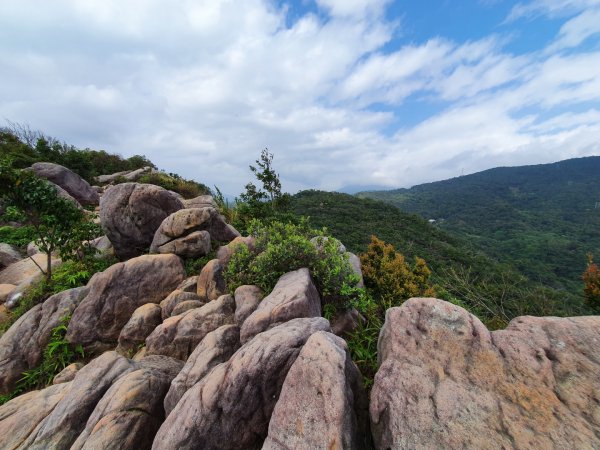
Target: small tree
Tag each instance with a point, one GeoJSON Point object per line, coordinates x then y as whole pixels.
{"type": "Point", "coordinates": [390, 279]}
{"type": "Point", "coordinates": [34, 201]}
{"type": "Point", "coordinates": [591, 289]}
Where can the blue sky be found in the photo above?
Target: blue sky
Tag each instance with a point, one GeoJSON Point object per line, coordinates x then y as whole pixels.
{"type": "Point", "coordinates": [343, 92]}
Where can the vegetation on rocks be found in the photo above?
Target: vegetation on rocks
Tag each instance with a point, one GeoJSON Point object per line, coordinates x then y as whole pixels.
{"type": "Point", "coordinates": [591, 280]}
{"type": "Point", "coordinates": [173, 182]}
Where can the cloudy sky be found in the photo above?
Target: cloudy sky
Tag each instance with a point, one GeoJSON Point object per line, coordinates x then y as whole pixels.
{"type": "Point", "coordinates": [343, 92]}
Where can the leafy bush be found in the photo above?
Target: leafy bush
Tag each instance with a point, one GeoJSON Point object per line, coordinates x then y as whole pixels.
{"type": "Point", "coordinates": [591, 290]}
{"type": "Point", "coordinates": [18, 236]}
{"type": "Point", "coordinates": [282, 248]}
{"type": "Point", "coordinates": [58, 354]}
{"type": "Point", "coordinates": [173, 182]}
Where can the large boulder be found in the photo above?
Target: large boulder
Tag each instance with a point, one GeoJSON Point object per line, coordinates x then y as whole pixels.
{"type": "Point", "coordinates": [225, 252]}
{"type": "Point", "coordinates": [216, 348]}
{"type": "Point", "coordinates": [142, 322]}
{"type": "Point", "coordinates": [232, 405]}
{"type": "Point", "coordinates": [247, 298]}
{"type": "Point", "coordinates": [23, 344]}
{"type": "Point", "coordinates": [202, 201]}
{"type": "Point", "coordinates": [8, 255]}
{"type": "Point", "coordinates": [178, 336]}
{"type": "Point", "coordinates": [193, 245]}
{"type": "Point", "coordinates": [322, 403]}
{"type": "Point", "coordinates": [76, 186]}
{"type": "Point", "coordinates": [211, 283]}
{"type": "Point", "coordinates": [27, 270]}
{"type": "Point", "coordinates": [131, 213]}
{"type": "Point", "coordinates": [129, 414]}
{"type": "Point", "coordinates": [294, 296]}
{"type": "Point", "coordinates": [117, 292]}
{"type": "Point", "coordinates": [445, 381]}
{"type": "Point", "coordinates": [175, 298]}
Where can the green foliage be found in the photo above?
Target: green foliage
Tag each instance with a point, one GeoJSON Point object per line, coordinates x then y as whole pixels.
{"type": "Point", "coordinates": [542, 220]}
{"type": "Point", "coordinates": [591, 288]}
{"type": "Point", "coordinates": [58, 223]}
{"type": "Point", "coordinates": [58, 354]}
{"type": "Point", "coordinates": [173, 182]}
{"type": "Point", "coordinates": [18, 236]}
{"type": "Point", "coordinates": [282, 248]}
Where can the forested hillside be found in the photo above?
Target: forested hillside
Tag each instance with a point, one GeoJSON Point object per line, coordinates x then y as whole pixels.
{"type": "Point", "coordinates": [541, 219]}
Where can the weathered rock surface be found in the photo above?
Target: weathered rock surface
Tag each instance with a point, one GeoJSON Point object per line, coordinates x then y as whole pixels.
{"type": "Point", "coordinates": [129, 175]}
{"type": "Point", "coordinates": [445, 381]}
{"type": "Point", "coordinates": [230, 407]}
{"type": "Point", "coordinates": [211, 284]}
{"type": "Point", "coordinates": [356, 267]}
{"type": "Point", "coordinates": [61, 427]}
{"type": "Point", "coordinates": [22, 345]}
{"type": "Point", "coordinates": [178, 336]}
{"type": "Point", "coordinates": [103, 246]}
{"type": "Point", "coordinates": [8, 255]}
{"type": "Point", "coordinates": [216, 347]}
{"type": "Point", "coordinates": [65, 195]}
{"type": "Point", "coordinates": [5, 291]}
{"type": "Point", "coordinates": [175, 298]}
{"type": "Point", "coordinates": [131, 213]}
{"type": "Point", "coordinates": [68, 373]}
{"type": "Point", "coordinates": [247, 298]}
{"type": "Point", "coordinates": [322, 403]}
{"type": "Point", "coordinates": [117, 292]}
{"type": "Point", "coordinates": [76, 186]}
{"type": "Point", "coordinates": [190, 284]}
{"type": "Point", "coordinates": [194, 245]}
{"type": "Point", "coordinates": [202, 201]}
{"type": "Point", "coordinates": [143, 321]}
{"type": "Point", "coordinates": [293, 296]}
{"type": "Point", "coordinates": [225, 252]}
{"type": "Point", "coordinates": [129, 414]}
{"type": "Point", "coordinates": [26, 270]}
{"type": "Point", "coordinates": [186, 306]}
{"type": "Point", "coordinates": [20, 416]}
{"type": "Point", "coordinates": [346, 322]}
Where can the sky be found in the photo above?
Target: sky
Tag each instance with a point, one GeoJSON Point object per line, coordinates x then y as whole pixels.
{"type": "Point", "coordinates": [346, 94]}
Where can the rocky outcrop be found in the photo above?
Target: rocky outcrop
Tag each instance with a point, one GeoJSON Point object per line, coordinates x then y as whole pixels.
{"type": "Point", "coordinates": [117, 292]}
{"type": "Point", "coordinates": [190, 284]}
{"type": "Point", "coordinates": [356, 267]}
{"type": "Point", "coordinates": [178, 336]}
{"type": "Point", "coordinates": [175, 298]}
{"type": "Point", "coordinates": [186, 306]}
{"type": "Point", "coordinates": [225, 252]}
{"type": "Point", "coordinates": [202, 201]}
{"type": "Point", "coordinates": [294, 296]}
{"type": "Point", "coordinates": [344, 323]}
{"type": "Point", "coordinates": [211, 284]}
{"type": "Point", "coordinates": [27, 270]}
{"type": "Point", "coordinates": [22, 345]}
{"type": "Point", "coordinates": [129, 414]}
{"type": "Point", "coordinates": [143, 321]}
{"type": "Point", "coordinates": [216, 348]}
{"type": "Point", "coordinates": [129, 175]}
{"type": "Point", "coordinates": [445, 381]}
{"type": "Point", "coordinates": [322, 403]}
{"type": "Point", "coordinates": [131, 213]}
{"type": "Point", "coordinates": [76, 186]}
{"type": "Point", "coordinates": [68, 373]}
{"type": "Point", "coordinates": [231, 406]}
{"type": "Point", "coordinates": [8, 255]}
{"type": "Point", "coordinates": [188, 232]}
{"type": "Point", "coordinates": [247, 299]}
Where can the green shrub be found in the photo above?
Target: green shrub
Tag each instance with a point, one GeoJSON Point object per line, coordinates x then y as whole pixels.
{"type": "Point", "coordinates": [173, 182]}
{"type": "Point", "coordinates": [58, 354]}
{"type": "Point", "coordinates": [282, 248]}
{"type": "Point", "coordinates": [18, 236]}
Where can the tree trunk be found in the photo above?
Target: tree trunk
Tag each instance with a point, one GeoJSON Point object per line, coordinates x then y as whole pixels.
{"type": "Point", "coordinates": [49, 266]}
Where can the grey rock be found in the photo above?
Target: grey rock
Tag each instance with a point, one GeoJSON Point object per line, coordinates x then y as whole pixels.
{"type": "Point", "coordinates": [216, 348]}
{"type": "Point", "coordinates": [143, 321]}
{"type": "Point", "coordinates": [225, 252]}
{"type": "Point", "coordinates": [190, 284]}
{"type": "Point", "coordinates": [247, 299]}
{"type": "Point", "coordinates": [186, 306]}
{"type": "Point", "coordinates": [211, 284]}
{"type": "Point", "coordinates": [193, 245]}
{"type": "Point", "coordinates": [131, 213]}
{"type": "Point", "coordinates": [202, 201]}
{"type": "Point", "coordinates": [117, 292]}
{"type": "Point", "coordinates": [293, 296]}
{"type": "Point", "coordinates": [8, 255]}
{"type": "Point", "coordinates": [175, 298]}
{"type": "Point", "coordinates": [178, 336]}
{"type": "Point", "coordinates": [76, 186]}
{"type": "Point", "coordinates": [230, 408]}
{"type": "Point", "coordinates": [68, 373]}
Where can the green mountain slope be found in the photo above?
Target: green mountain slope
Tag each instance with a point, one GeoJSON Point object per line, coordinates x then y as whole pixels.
{"type": "Point", "coordinates": [541, 219]}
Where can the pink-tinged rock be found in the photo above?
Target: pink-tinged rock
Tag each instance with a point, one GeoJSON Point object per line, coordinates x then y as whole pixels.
{"type": "Point", "coordinates": [193, 245]}
{"type": "Point", "coordinates": [63, 425]}
{"type": "Point", "coordinates": [129, 414]}
{"type": "Point", "coordinates": [131, 213]}
{"type": "Point", "coordinates": [225, 252]}
{"type": "Point", "coordinates": [117, 292]}
{"type": "Point", "coordinates": [247, 299]}
{"type": "Point", "coordinates": [445, 381]}
{"type": "Point", "coordinates": [186, 306]}
{"type": "Point", "coordinates": [178, 336]}
{"type": "Point", "coordinates": [211, 284]}
{"type": "Point", "coordinates": [143, 321]}
{"type": "Point", "coordinates": [232, 405]}
{"type": "Point", "coordinates": [322, 403]}
{"type": "Point", "coordinates": [5, 291]}
{"type": "Point", "coordinates": [294, 296]}
{"type": "Point", "coordinates": [20, 416]}
{"type": "Point", "coordinates": [8, 255]}
{"type": "Point", "coordinates": [216, 348]}
{"type": "Point", "coordinates": [189, 284]}
{"type": "Point", "coordinates": [23, 344]}
{"type": "Point", "coordinates": [27, 271]}
{"type": "Point", "coordinates": [68, 373]}
{"type": "Point", "coordinates": [202, 201]}
{"type": "Point", "coordinates": [346, 322]}
{"type": "Point", "coordinates": [68, 180]}
{"type": "Point", "coordinates": [175, 298]}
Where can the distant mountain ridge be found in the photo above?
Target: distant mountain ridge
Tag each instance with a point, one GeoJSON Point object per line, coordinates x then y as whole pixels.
{"type": "Point", "coordinates": [542, 219]}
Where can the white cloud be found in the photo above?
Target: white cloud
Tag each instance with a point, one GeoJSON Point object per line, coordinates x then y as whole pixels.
{"type": "Point", "coordinates": [202, 87]}
{"type": "Point", "coordinates": [552, 8]}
